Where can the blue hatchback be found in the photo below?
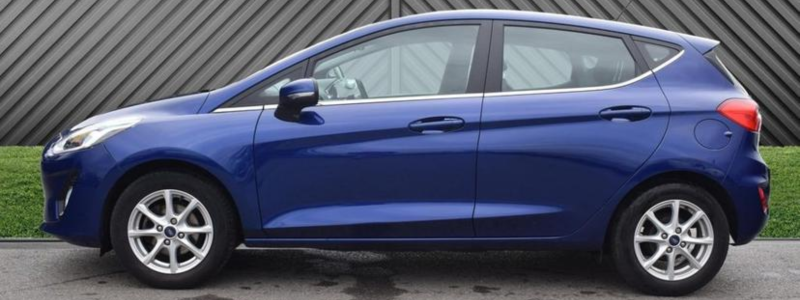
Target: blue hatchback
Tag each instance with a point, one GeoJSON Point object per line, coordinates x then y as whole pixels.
{"type": "Point", "coordinates": [457, 130]}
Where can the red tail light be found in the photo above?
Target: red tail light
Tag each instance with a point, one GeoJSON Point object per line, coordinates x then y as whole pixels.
{"type": "Point", "coordinates": [743, 112]}
{"type": "Point", "coordinates": [764, 200]}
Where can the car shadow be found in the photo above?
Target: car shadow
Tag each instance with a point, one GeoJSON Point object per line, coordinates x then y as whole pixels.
{"type": "Point", "coordinates": [386, 275]}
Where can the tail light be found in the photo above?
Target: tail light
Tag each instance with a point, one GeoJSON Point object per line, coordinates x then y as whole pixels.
{"type": "Point", "coordinates": [764, 200]}
{"type": "Point", "coordinates": [743, 112]}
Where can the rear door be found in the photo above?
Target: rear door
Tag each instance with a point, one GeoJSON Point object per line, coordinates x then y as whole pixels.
{"type": "Point", "coordinates": [390, 150]}
{"type": "Point", "coordinates": [570, 114]}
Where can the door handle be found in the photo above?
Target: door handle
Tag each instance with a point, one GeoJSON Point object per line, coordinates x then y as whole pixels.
{"type": "Point", "coordinates": [436, 124]}
{"type": "Point", "coordinates": [626, 113]}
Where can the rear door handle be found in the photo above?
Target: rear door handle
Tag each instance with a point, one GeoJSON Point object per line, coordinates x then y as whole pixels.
{"type": "Point", "coordinates": [627, 113]}
{"type": "Point", "coordinates": [436, 124]}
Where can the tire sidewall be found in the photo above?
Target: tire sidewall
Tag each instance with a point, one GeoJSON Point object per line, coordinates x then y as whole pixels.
{"type": "Point", "coordinates": [623, 247]}
{"type": "Point", "coordinates": [210, 196]}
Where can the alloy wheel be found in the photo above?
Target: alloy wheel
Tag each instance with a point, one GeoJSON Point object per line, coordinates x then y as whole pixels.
{"type": "Point", "coordinates": [673, 240]}
{"type": "Point", "coordinates": [170, 231]}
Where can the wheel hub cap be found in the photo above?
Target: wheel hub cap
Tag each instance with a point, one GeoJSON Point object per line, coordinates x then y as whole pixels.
{"type": "Point", "coordinates": [170, 232]}
{"type": "Point", "coordinates": [674, 240]}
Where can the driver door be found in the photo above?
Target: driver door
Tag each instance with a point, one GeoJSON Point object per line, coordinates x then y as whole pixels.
{"type": "Point", "coordinates": [390, 150]}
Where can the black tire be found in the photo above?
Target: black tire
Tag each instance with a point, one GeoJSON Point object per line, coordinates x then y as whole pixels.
{"type": "Point", "coordinates": [222, 214]}
{"type": "Point", "coordinates": [625, 226]}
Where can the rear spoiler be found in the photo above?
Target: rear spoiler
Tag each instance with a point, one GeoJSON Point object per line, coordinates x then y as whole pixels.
{"type": "Point", "coordinates": [703, 45]}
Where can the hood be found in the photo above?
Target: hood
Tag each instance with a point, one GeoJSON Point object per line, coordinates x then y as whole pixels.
{"type": "Point", "coordinates": [181, 105]}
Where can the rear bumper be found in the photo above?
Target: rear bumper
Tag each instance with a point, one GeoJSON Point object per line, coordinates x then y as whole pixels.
{"type": "Point", "coordinates": [748, 173]}
{"type": "Point", "coordinates": [74, 187]}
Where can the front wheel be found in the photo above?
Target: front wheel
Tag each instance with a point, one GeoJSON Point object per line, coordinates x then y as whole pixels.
{"type": "Point", "coordinates": [672, 240]}
{"type": "Point", "coordinates": [173, 230]}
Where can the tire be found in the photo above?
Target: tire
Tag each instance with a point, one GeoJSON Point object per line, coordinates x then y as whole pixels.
{"type": "Point", "coordinates": [214, 239]}
{"type": "Point", "coordinates": [631, 257]}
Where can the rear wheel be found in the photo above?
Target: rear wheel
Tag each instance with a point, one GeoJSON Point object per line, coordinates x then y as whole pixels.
{"type": "Point", "coordinates": [173, 230]}
{"type": "Point", "coordinates": [672, 240]}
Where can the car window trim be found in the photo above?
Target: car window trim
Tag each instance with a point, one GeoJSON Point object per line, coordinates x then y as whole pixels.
{"type": "Point", "coordinates": [494, 73]}
{"type": "Point", "coordinates": [357, 101]}
{"type": "Point", "coordinates": [238, 109]}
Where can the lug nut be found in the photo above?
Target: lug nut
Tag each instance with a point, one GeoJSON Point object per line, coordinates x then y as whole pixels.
{"type": "Point", "coordinates": [683, 244]}
{"type": "Point", "coordinates": [159, 228]}
{"type": "Point", "coordinates": [669, 250]}
{"type": "Point", "coordinates": [173, 221]}
{"type": "Point", "coordinates": [167, 242]}
{"type": "Point", "coordinates": [677, 230]}
{"type": "Point", "coordinates": [664, 236]}
{"type": "Point", "coordinates": [181, 235]}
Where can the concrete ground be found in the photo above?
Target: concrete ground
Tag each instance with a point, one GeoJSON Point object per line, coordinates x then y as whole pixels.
{"type": "Point", "coordinates": [31, 271]}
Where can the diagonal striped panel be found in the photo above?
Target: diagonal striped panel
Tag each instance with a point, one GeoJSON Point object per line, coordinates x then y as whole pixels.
{"type": "Point", "coordinates": [62, 61]}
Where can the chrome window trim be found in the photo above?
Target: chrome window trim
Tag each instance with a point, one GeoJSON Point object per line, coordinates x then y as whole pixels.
{"type": "Point", "coordinates": [398, 99]}
{"type": "Point", "coordinates": [669, 61]}
{"type": "Point", "coordinates": [588, 89]}
{"type": "Point", "coordinates": [237, 109]}
{"type": "Point", "coordinates": [355, 101]}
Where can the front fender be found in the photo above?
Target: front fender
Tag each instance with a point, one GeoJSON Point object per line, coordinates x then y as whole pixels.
{"type": "Point", "coordinates": [220, 144]}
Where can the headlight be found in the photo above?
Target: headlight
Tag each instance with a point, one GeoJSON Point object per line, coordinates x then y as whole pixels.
{"type": "Point", "coordinates": [91, 135]}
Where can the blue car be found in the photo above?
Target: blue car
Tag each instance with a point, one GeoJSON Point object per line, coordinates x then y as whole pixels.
{"type": "Point", "coordinates": [461, 130]}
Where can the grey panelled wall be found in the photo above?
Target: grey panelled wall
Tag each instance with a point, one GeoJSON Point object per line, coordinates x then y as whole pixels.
{"type": "Point", "coordinates": [62, 61]}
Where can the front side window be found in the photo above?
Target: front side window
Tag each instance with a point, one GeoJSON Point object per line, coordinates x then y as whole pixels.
{"type": "Point", "coordinates": [417, 62]}
{"type": "Point", "coordinates": [543, 59]}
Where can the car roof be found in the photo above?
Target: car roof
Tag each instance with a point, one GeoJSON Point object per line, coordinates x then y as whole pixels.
{"type": "Point", "coordinates": [512, 15]}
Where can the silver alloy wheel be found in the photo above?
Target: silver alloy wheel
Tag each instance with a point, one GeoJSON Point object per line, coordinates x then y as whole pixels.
{"type": "Point", "coordinates": [170, 231]}
{"type": "Point", "coordinates": [673, 240]}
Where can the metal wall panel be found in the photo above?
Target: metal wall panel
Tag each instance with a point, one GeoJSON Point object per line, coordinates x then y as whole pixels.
{"type": "Point", "coordinates": [62, 61]}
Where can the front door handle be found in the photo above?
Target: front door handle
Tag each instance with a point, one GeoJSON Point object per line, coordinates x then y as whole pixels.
{"type": "Point", "coordinates": [626, 113]}
{"type": "Point", "coordinates": [436, 124]}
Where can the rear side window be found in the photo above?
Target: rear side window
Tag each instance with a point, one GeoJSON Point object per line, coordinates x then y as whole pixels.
{"type": "Point", "coordinates": [656, 55]}
{"type": "Point", "coordinates": [540, 59]}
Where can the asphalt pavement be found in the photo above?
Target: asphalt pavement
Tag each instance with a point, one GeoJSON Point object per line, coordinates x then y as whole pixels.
{"type": "Point", "coordinates": [32, 271]}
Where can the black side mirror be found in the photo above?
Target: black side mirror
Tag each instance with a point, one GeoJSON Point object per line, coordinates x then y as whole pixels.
{"type": "Point", "coordinates": [294, 97]}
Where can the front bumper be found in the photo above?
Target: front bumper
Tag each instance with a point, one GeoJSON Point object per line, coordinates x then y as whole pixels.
{"type": "Point", "coordinates": [80, 181]}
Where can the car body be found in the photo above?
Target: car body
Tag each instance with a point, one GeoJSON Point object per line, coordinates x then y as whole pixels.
{"type": "Point", "coordinates": [477, 164]}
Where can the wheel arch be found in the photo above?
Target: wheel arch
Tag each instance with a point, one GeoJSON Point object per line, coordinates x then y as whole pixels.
{"type": "Point", "coordinates": [688, 177]}
{"type": "Point", "coordinates": [146, 168]}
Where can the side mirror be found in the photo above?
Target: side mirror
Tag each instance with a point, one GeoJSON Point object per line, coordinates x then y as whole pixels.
{"type": "Point", "coordinates": [294, 97]}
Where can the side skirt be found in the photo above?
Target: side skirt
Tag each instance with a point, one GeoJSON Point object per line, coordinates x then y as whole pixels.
{"type": "Point", "coordinates": [423, 244]}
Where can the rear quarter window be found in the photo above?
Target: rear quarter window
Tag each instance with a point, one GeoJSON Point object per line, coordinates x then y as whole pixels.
{"type": "Point", "coordinates": [656, 55]}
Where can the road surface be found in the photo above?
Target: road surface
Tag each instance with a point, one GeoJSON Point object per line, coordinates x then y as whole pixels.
{"type": "Point", "coordinates": [32, 271]}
